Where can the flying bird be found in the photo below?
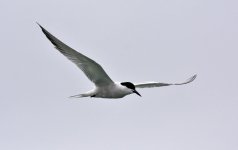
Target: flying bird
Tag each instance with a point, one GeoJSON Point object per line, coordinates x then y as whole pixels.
{"type": "Point", "coordinates": [105, 87]}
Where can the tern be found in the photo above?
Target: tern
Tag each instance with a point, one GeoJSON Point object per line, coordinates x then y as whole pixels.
{"type": "Point", "coordinates": [105, 87]}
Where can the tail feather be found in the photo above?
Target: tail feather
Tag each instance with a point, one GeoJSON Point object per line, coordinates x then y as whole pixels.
{"type": "Point", "coordinates": [79, 96]}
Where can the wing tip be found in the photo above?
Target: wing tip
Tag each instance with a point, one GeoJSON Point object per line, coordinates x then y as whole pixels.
{"type": "Point", "coordinates": [43, 29]}
{"type": "Point", "coordinates": [39, 25]}
{"type": "Point", "coordinates": [191, 79]}
{"type": "Point", "coordinates": [49, 36]}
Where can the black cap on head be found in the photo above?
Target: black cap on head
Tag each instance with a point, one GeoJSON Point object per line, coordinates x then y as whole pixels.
{"type": "Point", "coordinates": [128, 85]}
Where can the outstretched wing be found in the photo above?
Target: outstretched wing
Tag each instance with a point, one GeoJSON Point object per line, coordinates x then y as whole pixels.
{"type": "Point", "coordinates": [157, 84]}
{"type": "Point", "coordinates": [92, 70]}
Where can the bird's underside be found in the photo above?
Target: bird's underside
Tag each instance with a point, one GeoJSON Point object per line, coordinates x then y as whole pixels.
{"type": "Point", "coordinates": [105, 87]}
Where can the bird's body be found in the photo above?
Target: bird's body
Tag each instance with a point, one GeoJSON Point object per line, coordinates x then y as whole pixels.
{"type": "Point", "coordinates": [105, 87]}
{"type": "Point", "coordinates": [115, 90]}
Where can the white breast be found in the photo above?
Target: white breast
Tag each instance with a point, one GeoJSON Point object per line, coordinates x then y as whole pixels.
{"type": "Point", "coordinates": [113, 91]}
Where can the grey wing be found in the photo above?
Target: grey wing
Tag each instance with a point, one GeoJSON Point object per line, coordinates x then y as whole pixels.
{"type": "Point", "coordinates": [157, 84]}
{"type": "Point", "coordinates": [91, 69]}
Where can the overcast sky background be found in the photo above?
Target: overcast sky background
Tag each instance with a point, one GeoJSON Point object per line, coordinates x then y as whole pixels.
{"type": "Point", "coordinates": [136, 41]}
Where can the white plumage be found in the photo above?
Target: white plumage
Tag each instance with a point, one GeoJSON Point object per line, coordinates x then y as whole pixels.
{"type": "Point", "coordinates": [105, 87]}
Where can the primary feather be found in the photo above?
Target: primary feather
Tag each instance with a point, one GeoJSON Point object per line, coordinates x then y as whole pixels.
{"type": "Point", "coordinates": [158, 84]}
{"type": "Point", "coordinates": [91, 69]}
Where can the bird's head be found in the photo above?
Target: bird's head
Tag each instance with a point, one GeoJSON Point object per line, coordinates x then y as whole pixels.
{"type": "Point", "coordinates": [130, 86]}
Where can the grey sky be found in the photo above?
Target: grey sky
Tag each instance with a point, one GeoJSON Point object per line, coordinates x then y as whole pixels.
{"type": "Point", "coordinates": [134, 41]}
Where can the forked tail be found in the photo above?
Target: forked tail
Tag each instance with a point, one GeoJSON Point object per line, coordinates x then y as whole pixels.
{"type": "Point", "coordinates": [79, 96]}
